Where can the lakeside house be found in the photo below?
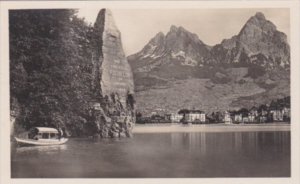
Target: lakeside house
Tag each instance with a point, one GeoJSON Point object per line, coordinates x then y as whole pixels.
{"type": "Point", "coordinates": [227, 118]}
{"type": "Point", "coordinates": [238, 118]}
{"type": "Point", "coordinates": [277, 114]}
{"type": "Point", "coordinates": [254, 111]}
{"type": "Point", "coordinates": [176, 118]}
{"type": "Point", "coordinates": [252, 118]}
{"type": "Point", "coordinates": [262, 114]}
{"type": "Point", "coordinates": [195, 116]}
{"type": "Point", "coordinates": [280, 114]}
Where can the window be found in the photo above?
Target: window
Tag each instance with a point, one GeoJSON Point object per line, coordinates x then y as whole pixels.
{"type": "Point", "coordinates": [45, 135]}
{"type": "Point", "coordinates": [52, 136]}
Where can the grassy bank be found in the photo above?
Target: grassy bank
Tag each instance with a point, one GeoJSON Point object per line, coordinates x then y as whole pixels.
{"type": "Point", "coordinates": [165, 128]}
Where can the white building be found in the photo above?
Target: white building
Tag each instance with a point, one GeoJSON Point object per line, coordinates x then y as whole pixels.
{"type": "Point", "coordinates": [175, 118]}
{"type": "Point", "coordinates": [277, 115]}
{"type": "Point", "coordinates": [252, 117]}
{"type": "Point", "coordinates": [195, 115]}
{"type": "Point", "coordinates": [238, 118]}
{"type": "Point", "coordinates": [227, 118]}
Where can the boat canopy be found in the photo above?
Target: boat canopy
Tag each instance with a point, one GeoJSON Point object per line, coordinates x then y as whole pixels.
{"type": "Point", "coordinates": [46, 130]}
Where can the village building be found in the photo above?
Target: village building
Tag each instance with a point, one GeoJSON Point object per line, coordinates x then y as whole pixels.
{"type": "Point", "coordinates": [277, 114]}
{"type": "Point", "coordinates": [238, 118]}
{"type": "Point", "coordinates": [175, 118]}
{"type": "Point", "coordinates": [263, 114]}
{"type": "Point", "coordinates": [195, 115]}
{"type": "Point", "coordinates": [252, 117]}
{"type": "Point", "coordinates": [286, 113]}
{"type": "Point", "coordinates": [157, 119]}
{"type": "Point", "coordinates": [245, 119]}
{"type": "Point", "coordinates": [253, 112]}
{"type": "Point", "coordinates": [227, 118]}
{"type": "Point", "coordinates": [262, 119]}
{"type": "Point", "coordinates": [167, 117]}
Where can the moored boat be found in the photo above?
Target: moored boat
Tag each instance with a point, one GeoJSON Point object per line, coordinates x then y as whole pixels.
{"type": "Point", "coordinates": [42, 136]}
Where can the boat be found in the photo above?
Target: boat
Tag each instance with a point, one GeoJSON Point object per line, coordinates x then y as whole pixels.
{"type": "Point", "coordinates": [42, 136]}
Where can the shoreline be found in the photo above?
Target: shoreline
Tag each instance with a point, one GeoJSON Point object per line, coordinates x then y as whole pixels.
{"type": "Point", "coordinates": [179, 128]}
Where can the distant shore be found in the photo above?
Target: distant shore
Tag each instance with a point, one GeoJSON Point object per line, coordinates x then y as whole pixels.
{"type": "Point", "coordinates": [167, 127]}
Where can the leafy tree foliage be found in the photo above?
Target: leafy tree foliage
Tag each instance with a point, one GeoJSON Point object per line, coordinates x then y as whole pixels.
{"type": "Point", "coordinates": [51, 68]}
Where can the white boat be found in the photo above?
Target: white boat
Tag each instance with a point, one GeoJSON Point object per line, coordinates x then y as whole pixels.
{"type": "Point", "coordinates": [42, 136]}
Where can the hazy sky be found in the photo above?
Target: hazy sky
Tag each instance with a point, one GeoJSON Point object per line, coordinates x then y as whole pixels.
{"type": "Point", "coordinates": [138, 26]}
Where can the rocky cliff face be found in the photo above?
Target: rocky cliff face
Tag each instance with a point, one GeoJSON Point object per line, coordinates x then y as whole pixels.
{"type": "Point", "coordinates": [113, 80]}
{"type": "Point", "coordinates": [178, 70]}
{"type": "Point", "coordinates": [258, 42]}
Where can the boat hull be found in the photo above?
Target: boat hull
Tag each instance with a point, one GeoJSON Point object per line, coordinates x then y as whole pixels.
{"type": "Point", "coordinates": [45, 142]}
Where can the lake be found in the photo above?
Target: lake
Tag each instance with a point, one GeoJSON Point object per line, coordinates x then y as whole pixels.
{"type": "Point", "coordinates": [163, 155]}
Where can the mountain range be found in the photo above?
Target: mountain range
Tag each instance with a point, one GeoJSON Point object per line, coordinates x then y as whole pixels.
{"type": "Point", "coordinates": [177, 70]}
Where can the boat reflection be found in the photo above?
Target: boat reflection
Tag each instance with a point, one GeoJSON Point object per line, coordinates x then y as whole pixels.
{"type": "Point", "coordinates": [42, 149]}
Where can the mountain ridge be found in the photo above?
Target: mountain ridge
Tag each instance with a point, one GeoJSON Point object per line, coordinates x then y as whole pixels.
{"type": "Point", "coordinates": [256, 59]}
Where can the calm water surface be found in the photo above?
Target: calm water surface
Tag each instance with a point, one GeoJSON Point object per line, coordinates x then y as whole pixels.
{"type": "Point", "coordinates": [239, 154]}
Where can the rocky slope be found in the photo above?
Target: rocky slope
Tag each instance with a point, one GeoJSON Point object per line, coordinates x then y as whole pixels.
{"type": "Point", "coordinates": [178, 70]}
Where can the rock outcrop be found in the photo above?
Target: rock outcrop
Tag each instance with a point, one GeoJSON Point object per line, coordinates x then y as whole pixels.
{"type": "Point", "coordinates": [113, 80]}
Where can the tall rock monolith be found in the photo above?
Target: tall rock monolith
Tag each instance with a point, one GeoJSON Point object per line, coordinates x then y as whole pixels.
{"type": "Point", "coordinates": [113, 80]}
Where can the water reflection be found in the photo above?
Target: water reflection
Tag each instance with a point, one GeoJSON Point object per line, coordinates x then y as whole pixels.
{"type": "Point", "coordinates": [233, 142]}
{"type": "Point", "coordinates": [194, 154]}
{"type": "Point", "coordinates": [193, 142]}
{"type": "Point", "coordinates": [53, 149]}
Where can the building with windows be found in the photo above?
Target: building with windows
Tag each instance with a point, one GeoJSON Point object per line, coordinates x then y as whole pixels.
{"type": "Point", "coordinates": [227, 118]}
{"type": "Point", "coordinates": [175, 118]}
{"type": "Point", "coordinates": [194, 116]}
{"type": "Point", "coordinates": [277, 114]}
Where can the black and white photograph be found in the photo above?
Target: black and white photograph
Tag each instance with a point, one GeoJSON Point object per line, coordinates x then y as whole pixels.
{"type": "Point", "coordinates": [103, 92]}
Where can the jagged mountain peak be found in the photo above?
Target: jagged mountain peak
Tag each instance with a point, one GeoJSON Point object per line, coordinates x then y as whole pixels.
{"type": "Point", "coordinates": [157, 38]}
{"type": "Point", "coordinates": [178, 43]}
{"type": "Point", "coordinates": [258, 23]}
{"type": "Point", "coordinates": [160, 34]}
{"type": "Point", "coordinates": [182, 33]}
{"type": "Point", "coordinates": [258, 37]}
{"type": "Point", "coordinates": [174, 28]}
{"type": "Point", "coordinates": [260, 15]}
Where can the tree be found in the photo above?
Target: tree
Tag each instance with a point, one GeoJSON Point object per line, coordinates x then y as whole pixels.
{"type": "Point", "coordinates": [50, 67]}
{"type": "Point", "coordinates": [183, 111]}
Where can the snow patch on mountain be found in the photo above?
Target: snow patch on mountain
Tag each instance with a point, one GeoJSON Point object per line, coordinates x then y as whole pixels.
{"type": "Point", "coordinates": [180, 53]}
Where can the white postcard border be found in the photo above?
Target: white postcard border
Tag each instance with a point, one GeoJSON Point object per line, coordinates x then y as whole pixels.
{"type": "Point", "coordinates": [295, 83]}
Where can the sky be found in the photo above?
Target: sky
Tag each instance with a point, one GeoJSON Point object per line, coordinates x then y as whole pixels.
{"type": "Point", "coordinates": [138, 26]}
